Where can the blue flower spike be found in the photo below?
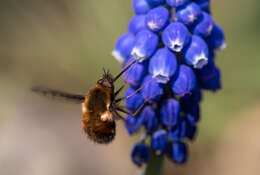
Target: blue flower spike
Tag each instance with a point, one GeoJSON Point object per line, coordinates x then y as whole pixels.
{"type": "Point", "coordinates": [176, 36]}
{"type": "Point", "coordinates": [175, 44]}
{"type": "Point", "coordinates": [160, 141]}
{"type": "Point", "coordinates": [176, 3]}
{"type": "Point", "coordinates": [145, 45]}
{"type": "Point", "coordinates": [124, 46]}
{"type": "Point", "coordinates": [196, 54]}
{"type": "Point", "coordinates": [157, 19]}
{"type": "Point", "coordinates": [141, 7]}
{"type": "Point", "coordinates": [136, 24]}
{"type": "Point", "coordinates": [140, 154]}
{"type": "Point", "coordinates": [185, 82]}
{"type": "Point", "coordinates": [163, 65]}
{"type": "Point", "coordinates": [189, 13]}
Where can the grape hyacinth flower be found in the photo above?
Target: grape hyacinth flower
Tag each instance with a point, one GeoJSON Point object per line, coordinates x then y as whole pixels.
{"type": "Point", "coordinates": [174, 42]}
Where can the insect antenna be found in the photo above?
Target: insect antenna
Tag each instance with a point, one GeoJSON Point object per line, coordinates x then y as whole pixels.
{"type": "Point", "coordinates": [59, 94]}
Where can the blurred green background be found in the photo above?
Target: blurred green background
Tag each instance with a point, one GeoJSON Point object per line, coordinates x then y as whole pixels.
{"type": "Point", "coordinates": [65, 44]}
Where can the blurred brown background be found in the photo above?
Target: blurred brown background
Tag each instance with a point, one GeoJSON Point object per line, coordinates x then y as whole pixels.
{"type": "Point", "coordinates": [65, 44]}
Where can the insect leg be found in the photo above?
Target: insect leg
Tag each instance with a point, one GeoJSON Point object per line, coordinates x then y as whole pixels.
{"type": "Point", "coordinates": [115, 113]}
{"type": "Point", "coordinates": [119, 90]}
{"type": "Point", "coordinates": [138, 109]}
{"type": "Point", "coordinates": [137, 90]}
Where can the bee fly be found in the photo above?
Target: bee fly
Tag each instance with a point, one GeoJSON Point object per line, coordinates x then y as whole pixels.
{"type": "Point", "coordinates": [100, 106]}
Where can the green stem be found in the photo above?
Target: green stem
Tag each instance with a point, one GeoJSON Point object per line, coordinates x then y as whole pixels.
{"type": "Point", "coordinates": [155, 164]}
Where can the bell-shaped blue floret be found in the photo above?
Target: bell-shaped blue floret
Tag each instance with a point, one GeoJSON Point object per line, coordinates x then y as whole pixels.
{"type": "Point", "coordinates": [150, 119]}
{"type": "Point", "coordinates": [155, 3]}
{"type": "Point", "coordinates": [135, 101]}
{"type": "Point", "coordinates": [176, 3]}
{"type": "Point", "coordinates": [216, 39]}
{"type": "Point", "coordinates": [152, 90]}
{"type": "Point", "coordinates": [141, 7]}
{"type": "Point", "coordinates": [133, 124]}
{"type": "Point", "coordinates": [209, 77]}
{"type": "Point", "coordinates": [157, 19]}
{"type": "Point", "coordinates": [204, 25]}
{"type": "Point", "coordinates": [159, 141]}
{"type": "Point", "coordinates": [123, 47]}
{"type": "Point", "coordinates": [196, 53]}
{"type": "Point", "coordinates": [191, 98]}
{"type": "Point", "coordinates": [189, 13]}
{"type": "Point", "coordinates": [178, 152]}
{"type": "Point", "coordinates": [185, 82]}
{"type": "Point", "coordinates": [136, 24]}
{"type": "Point", "coordinates": [169, 111]}
{"type": "Point", "coordinates": [140, 154]}
{"type": "Point", "coordinates": [204, 5]}
{"type": "Point", "coordinates": [178, 132]}
{"type": "Point", "coordinates": [193, 115]}
{"type": "Point", "coordinates": [175, 36]}
{"type": "Point", "coordinates": [191, 130]}
{"type": "Point", "coordinates": [145, 45]}
{"type": "Point", "coordinates": [174, 134]}
{"type": "Point", "coordinates": [135, 74]}
{"type": "Point", "coordinates": [163, 65]}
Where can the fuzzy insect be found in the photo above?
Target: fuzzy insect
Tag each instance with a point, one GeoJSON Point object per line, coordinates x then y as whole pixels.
{"type": "Point", "coordinates": [100, 106]}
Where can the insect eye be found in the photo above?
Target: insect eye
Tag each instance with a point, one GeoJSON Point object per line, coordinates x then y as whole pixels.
{"type": "Point", "coordinates": [106, 84]}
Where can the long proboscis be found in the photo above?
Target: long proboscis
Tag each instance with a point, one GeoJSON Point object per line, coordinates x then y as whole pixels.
{"type": "Point", "coordinates": [125, 69]}
{"type": "Point", "coordinates": [59, 94]}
